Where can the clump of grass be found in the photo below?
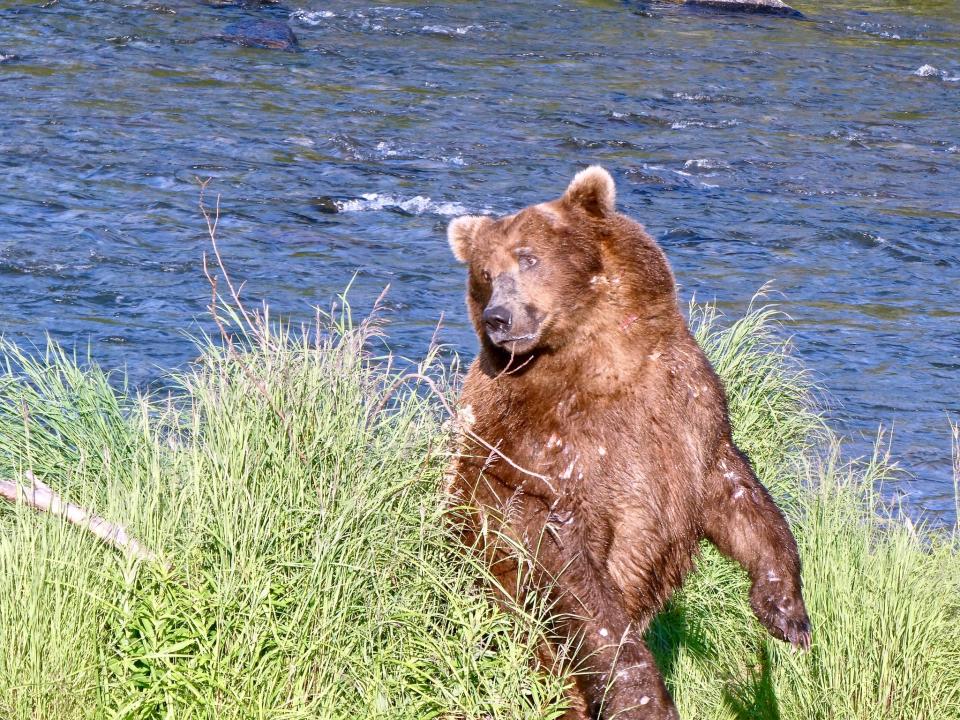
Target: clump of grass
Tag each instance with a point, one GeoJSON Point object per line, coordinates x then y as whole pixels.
{"type": "Point", "coordinates": [308, 574]}
{"type": "Point", "coordinates": [883, 595]}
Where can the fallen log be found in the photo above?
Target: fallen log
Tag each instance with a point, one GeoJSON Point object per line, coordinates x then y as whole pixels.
{"type": "Point", "coordinates": [41, 497]}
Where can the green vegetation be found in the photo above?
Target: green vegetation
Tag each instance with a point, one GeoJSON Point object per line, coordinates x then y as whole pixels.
{"type": "Point", "coordinates": [883, 595]}
{"type": "Point", "coordinates": [307, 573]}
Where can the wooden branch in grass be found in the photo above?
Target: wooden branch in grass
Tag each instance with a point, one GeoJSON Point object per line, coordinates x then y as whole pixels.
{"type": "Point", "coordinates": [42, 497]}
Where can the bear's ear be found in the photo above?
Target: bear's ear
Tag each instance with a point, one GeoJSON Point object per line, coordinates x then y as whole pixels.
{"type": "Point", "coordinates": [460, 234]}
{"type": "Point", "coordinates": [593, 190]}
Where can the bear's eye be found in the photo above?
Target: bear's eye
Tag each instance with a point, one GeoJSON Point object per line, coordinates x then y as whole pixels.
{"type": "Point", "coordinates": [485, 275]}
{"type": "Point", "coordinates": [527, 261]}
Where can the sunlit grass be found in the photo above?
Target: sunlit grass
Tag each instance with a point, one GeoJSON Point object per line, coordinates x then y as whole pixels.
{"type": "Point", "coordinates": [308, 574]}
{"type": "Point", "coordinates": [883, 595]}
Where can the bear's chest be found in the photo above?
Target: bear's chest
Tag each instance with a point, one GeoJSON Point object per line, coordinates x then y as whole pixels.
{"type": "Point", "coordinates": [611, 452]}
{"type": "Point", "coordinates": [541, 458]}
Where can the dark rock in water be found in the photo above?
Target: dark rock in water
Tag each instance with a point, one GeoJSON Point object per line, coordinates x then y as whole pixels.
{"type": "Point", "coordinates": [768, 7]}
{"type": "Point", "coordinates": [6, 57]}
{"type": "Point", "coordinates": [326, 204]}
{"type": "Point", "coordinates": [261, 34]}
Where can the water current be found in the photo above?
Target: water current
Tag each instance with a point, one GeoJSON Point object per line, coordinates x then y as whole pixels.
{"type": "Point", "coordinates": [822, 155]}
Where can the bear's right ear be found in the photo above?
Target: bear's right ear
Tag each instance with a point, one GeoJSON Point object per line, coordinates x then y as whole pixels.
{"type": "Point", "coordinates": [460, 234]}
{"type": "Point", "coordinates": [593, 190]}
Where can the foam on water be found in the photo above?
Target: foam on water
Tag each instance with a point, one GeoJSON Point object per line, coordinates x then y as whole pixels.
{"type": "Point", "coordinates": [385, 149]}
{"type": "Point", "coordinates": [386, 12]}
{"type": "Point", "coordinates": [696, 97]}
{"type": "Point", "coordinates": [419, 205]}
{"type": "Point", "coordinates": [451, 31]}
{"type": "Point", "coordinates": [931, 71]}
{"type": "Point", "coordinates": [315, 17]}
{"type": "Point", "coordinates": [705, 165]}
{"type": "Point", "coordinates": [684, 124]}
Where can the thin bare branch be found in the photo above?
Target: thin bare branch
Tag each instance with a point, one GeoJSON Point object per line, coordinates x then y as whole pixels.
{"type": "Point", "coordinates": [212, 222]}
{"type": "Point", "coordinates": [507, 369]}
{"type": "Point", "coordinates": [255, 323]}
{"type": "Point", "coordinates": [214, 299]}
{"type": "Point", "coordinates": [955, 429]}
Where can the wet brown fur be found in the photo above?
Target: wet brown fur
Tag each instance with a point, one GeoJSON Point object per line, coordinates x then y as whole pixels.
{"type": "Point", "coordinates": [619, 411]}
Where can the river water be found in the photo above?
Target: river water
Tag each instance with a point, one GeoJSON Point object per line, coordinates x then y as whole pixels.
{"type": "Point", "coordinates": [820, 154]}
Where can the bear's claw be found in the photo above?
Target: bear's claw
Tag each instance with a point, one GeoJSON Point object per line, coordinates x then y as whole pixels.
{"type": "Point", "coordinates": [783, 615]}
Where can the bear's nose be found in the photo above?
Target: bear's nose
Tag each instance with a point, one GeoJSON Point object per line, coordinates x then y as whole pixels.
{"type": "Point", "coordinates": [497, 318]}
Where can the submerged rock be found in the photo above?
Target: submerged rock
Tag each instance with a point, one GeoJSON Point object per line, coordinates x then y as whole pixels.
{"type": "Point", "coordinates": [261, 34]}
{"type": "Point", "coordinates": [326, 204]}
{"type": "Point", "coordinates": [769, 7]}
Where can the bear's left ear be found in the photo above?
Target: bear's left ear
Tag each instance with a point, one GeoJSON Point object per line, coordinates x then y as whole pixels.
{"type": "Point", "coordinates": [460, 234]}
{"type": "Point", "coordinates": [593, 190]}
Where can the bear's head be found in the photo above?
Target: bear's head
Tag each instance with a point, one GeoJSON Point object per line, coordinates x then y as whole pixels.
{"type": "Point", "coordinates": [537, 278]}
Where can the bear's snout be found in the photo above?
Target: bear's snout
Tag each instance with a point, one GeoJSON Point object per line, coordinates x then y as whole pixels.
{"type": "Point", "coordinates": [509, 321]}
{"type": "Point", "coordinates": [497, 318]}
{"type": "Point", "coordinates": [504, 313]}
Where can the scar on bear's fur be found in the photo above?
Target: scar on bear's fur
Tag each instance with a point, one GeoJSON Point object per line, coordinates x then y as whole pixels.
{"type": "Point", "coordinates": [588, 375]}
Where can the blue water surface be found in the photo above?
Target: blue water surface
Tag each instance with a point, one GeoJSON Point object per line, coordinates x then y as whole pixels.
{"type": "Point", "coordinates": [820, 154]}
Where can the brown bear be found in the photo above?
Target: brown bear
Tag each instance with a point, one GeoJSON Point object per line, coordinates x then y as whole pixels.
{"type": "Point", "coordinates": [596, 449]}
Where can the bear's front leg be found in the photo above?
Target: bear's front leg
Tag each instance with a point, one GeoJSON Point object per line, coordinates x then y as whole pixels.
{"type": "Point", "coordinates": [745, 524]}
{"type": "Point", "coordinates": [629, 686]}
{"type": "Point", "coordinates": [615, 671]}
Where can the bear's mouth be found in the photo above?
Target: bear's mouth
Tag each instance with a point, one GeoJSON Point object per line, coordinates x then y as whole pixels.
{"type": "Point", "coordinates": [514, 344]}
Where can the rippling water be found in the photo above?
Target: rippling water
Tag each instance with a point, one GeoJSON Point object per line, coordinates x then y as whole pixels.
{"type": "Point", "coordinates": [821, 154]}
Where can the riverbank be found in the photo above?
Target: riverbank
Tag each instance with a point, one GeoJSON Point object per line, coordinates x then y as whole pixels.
{"type": "Point", "coordinates": [305, 572]}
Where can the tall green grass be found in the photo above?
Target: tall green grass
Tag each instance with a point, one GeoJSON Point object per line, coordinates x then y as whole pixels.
{"type": "Point", "coordinates": [883, 594]}
{"type": "Point", "coordinates": [307, 571]}
{"type": "Point", "coordinates": [309, 574]}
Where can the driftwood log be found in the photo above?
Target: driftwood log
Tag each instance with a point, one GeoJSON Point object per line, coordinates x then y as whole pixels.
{"type": "Point", "coordinates": [41, 497]}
